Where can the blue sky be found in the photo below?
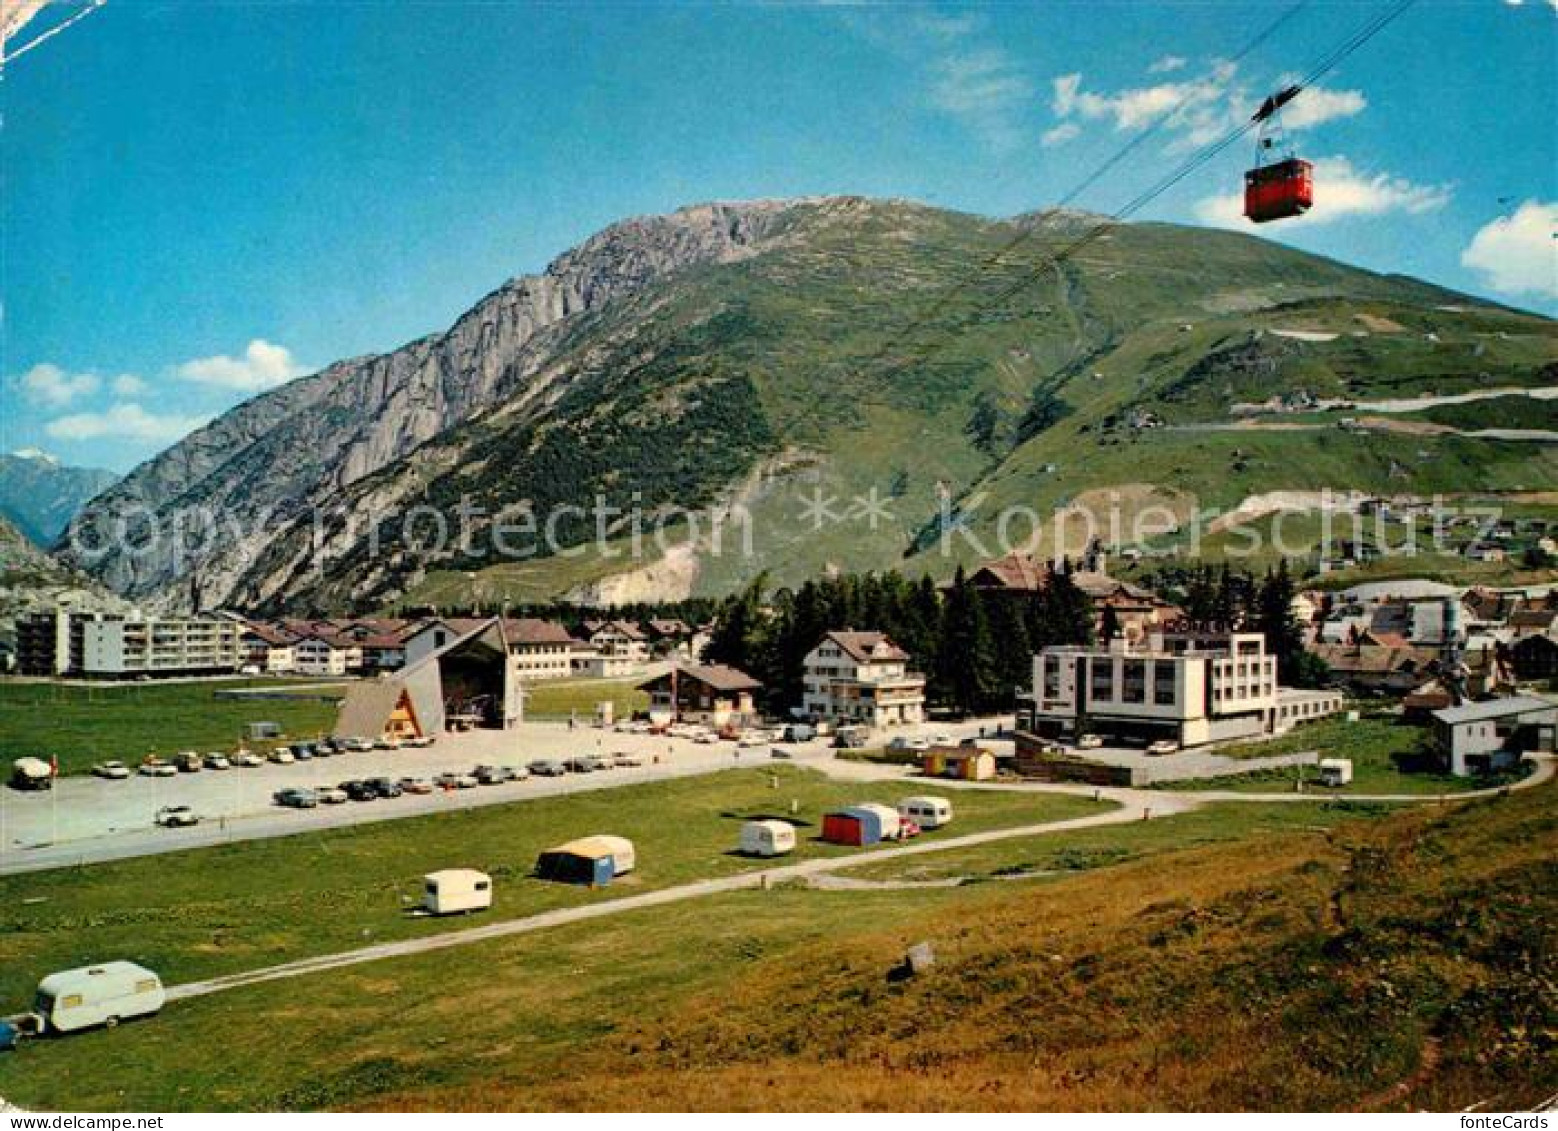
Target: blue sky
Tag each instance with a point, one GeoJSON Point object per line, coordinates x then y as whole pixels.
{"type": "Point", "coordinates": [204, 198]}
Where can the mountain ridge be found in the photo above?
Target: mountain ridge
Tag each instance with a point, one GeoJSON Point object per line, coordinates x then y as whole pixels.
{"type": "Point", "coordinates": [887, 342]}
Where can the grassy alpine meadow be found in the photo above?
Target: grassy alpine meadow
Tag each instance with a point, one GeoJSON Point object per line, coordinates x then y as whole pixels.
{"type": "Point", "coordinates": [1388, 757]}
{"type": "Point", "coordinates": [562, 698]}
{"type": "Point", "coordinates": [1329, 967]}
{"type": "Point", "coordinates": [209, 911]}
{"type": "Point", "coordinates": [86, 723]}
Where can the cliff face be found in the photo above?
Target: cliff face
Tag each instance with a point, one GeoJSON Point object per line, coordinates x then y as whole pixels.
{"type": "Point", "coordinates": [211, 502]}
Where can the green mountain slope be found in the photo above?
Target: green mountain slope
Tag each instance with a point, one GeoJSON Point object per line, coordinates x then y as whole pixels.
{"type": "Point", "coordinates": [862, 365]}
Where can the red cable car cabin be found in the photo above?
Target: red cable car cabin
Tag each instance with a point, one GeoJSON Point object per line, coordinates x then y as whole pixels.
{"type": "Point", "coordinates": [1275, 192]}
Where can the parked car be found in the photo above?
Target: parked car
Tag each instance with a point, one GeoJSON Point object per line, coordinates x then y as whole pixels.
{"type": "Point", "coordinates": [385, 787]}
{"type": "Point", "coordinates": [942, 739]}
{"type": "Point", "coordinates": [905, 742]}
{"type": "Point", "coordinates": [751, 739]}
{"type": "Point", "coordinates": [358, 790]}
{"type": "Point", "coordinates": [1162, 746]}
{"type": "Point", "coordinates": [599, 762]}
{"type": "Point", "coordinates": [356, 744]}
{"type": "Point", "coordinates": [421, 741]}
{"type": "Point", "coordinates": [295, 797]}
{"type": "Point", "coordinates": [303, 752]}
{"type": "Point", "coordinates": [416, 785]}
{"type": "Point", "coordinates": [548, 768]}
{"type": "Point", "coordinates": [491, 775]}
{"type": "Point", "coordinates": [579, 764]}
{"type": "Point", "coordinates": [330, 795]}
{"type": "Point", "coordinates": [517, 773]}
{"type": "Point", "coordinates": [624, 759]}
{"type": "Point", "coordinates": [705, 738]}
{"type": "Point", "coordinates": [247, 759]}
{"type": "Point", "coordinates": [282, 756]}
{"type": "Point", "coordinates": [187, 761]}
{"type": "Point", "coordinates": [453, 780]}
{"type": "Point", "coordinates": [113, 771]}
{"type": "Point", "coordinates": [325, 748]}
{"type": "Point", "coordinates": [216, 760]}
{"type": "Point", "coordinates": [782, 754]}
{"type": "Point", "coordinates": [1089, 742]}
{"type": "Point", "coordinates": [387, 742]}
{"type": "Point", "coordinates": [155, 767]}
{"type": "Point", "coordinates": [177, 817]}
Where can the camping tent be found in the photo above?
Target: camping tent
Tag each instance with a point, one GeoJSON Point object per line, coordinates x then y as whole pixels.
{"type": "Point", "coordinates": [593, 860]}
{"type": "Point", "coordinates": [860, 825]}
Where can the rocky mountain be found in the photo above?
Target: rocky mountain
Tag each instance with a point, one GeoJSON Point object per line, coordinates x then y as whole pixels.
{"type": "Point", "coordinates": [30, 579]}
{"type": "Point", "coordinates": [797, 386]}
{"type": "Point", "coordinates": [40, 495]}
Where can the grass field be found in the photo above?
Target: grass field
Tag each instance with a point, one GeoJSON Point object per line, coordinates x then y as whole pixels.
{"type": "Point", "coordinates": [84, 724]}
{"type": "Point", "coordinates": [1281, 968]}
{"type": "Point", "coordinates": [216, 910]}
{"type": "Point", "coordinates": [558, 698]}
{"type": "Point", "coordinates": [1387, 757]}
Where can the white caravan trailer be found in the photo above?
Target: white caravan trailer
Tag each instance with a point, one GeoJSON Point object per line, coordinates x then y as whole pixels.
{"type": "Point", "coordinates": [927, 812]}
{"type": "Point", "coordinates": [767, 838]}
{"type": "Point", "coordinates": [456, 890]}
{"type": "Point", "coordinates": [1335, 771]}
{"type": "Point", "coordinates": [97, 995]}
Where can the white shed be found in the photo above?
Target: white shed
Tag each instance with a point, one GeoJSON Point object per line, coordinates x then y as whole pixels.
{"type": "Point", "coordinates": [98, 995]}
{"type": "Point", "coordinates": [927, 812]}
{"type": "Point", "coordinates": [767, 838]}
{"type": "Point", "coordinates": [456, 890]}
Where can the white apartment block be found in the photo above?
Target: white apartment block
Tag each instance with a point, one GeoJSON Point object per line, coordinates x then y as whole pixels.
{"type": "Point", "coordinates": [863, 678]}
{"type": "Point", "coordinates": [159, 646]}
{"type": "Point", "coordinates": [1192, 689]}
{"type": "Point", "coordinates": [318, 655]}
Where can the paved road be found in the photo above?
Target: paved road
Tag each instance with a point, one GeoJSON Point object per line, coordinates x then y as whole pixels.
{"type": "Point", "coordinates": [678, 894]}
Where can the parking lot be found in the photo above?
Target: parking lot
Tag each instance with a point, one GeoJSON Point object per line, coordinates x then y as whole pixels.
{"type": "Point", "coordinates": [86, 819]}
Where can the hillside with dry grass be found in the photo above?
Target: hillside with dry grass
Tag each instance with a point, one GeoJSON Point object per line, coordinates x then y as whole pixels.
{"type": "Point", "coordinates": [1402, 963]}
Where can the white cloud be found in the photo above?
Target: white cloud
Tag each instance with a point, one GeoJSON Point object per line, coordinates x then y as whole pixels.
{"type": "Point", "coordinates": [262, 366]}
{"type": "Point", "coordinates": [123, 421]}
{"type": "Point", "coordinates": [50, 385]}
{"type": "Point", "coordinates": [1060, 134]}
{"type": "Point", "coordinates": [1518, 254]}
{"type": "Point", "coordinates": [128, 385]}
{"type": "Point", "coordinates": [985, 88]}
{"type": "Point", "coordinates": [1341, 192]}
{"type": "Point", "coordinates": [1195, 111]}
{"type": "Point", "coordinates": [1168, 63]}
{"type": "Point", "coordinates": [1316, 105]}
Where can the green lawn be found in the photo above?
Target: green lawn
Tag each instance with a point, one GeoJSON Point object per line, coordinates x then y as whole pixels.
{"type": "Point", "coordinates": [1100, 847]}
{"type": "Point", "coordinates": [217, 910]}
{"type": "Point", "coordinates": [557, 698]}
{"type": "Point", "coordinates": [84, 724]}
{"type": "Point", "coordinates": [1387, 757]}
{"type": "Point", "coordinates": [510, 1008]}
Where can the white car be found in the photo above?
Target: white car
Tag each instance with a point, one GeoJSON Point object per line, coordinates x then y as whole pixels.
{"type": "Point", "coordinates": [356, 744]}
{"type": "Point", "coordinates": [904, 742]}
{"type": "Point", "coordinates": [157, 768]}
{"type": "Point", "coordinates": [248, 759]}
{"type": "Point", "coordinates": [705, 738]}
{"type": "Point", "coordinates": [420, 741]}
{"type": "Point", "coordinates": [1089, 742]}
{"type": "Point", "coordinates": [330, 795]}
{"type": "Point", "coordinates": [749, 740]}
{"type": "Point", "coordinates": [282, 756]}
{"type": "Point", "coordinates": [113, 771]}
{"type": "Point", "coordinates": [177, 817]}
{"type": "Point", "coordinates": [216, 760]}
{"type": "Point", "coordinates": [1163, 746]}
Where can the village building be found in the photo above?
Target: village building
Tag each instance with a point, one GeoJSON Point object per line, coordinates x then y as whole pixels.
{"type": "Point", "coordinates": [1492, 735]}
{"type": "Point", "coordinates": [861, 677]}
{"type": "Point", "coordinates": [712, 695]}
{"type": "Point", "coordinates": [1187, 688]}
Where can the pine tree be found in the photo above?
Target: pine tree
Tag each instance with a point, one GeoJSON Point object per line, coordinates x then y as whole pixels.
{"type": "Point", "coordinates": [965, 663]}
